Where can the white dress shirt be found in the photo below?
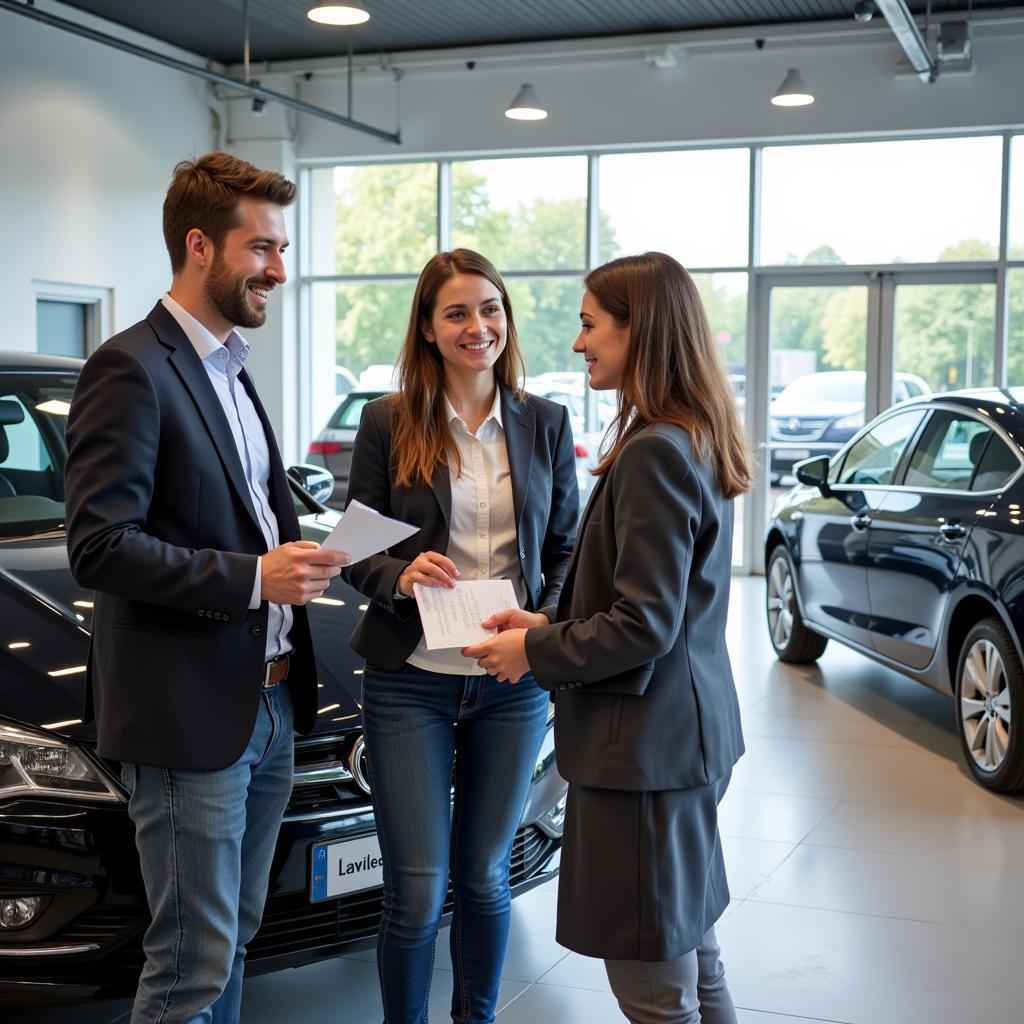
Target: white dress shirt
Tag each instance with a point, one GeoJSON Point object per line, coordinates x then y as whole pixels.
{"type": "Point", "coordinates": [223, 363]}
{"type": "Point", "coordinates": [482, 539]}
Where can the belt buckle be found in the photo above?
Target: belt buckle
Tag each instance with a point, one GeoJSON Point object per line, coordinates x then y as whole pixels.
{"type": "Point", "coordinates": [268, 667]}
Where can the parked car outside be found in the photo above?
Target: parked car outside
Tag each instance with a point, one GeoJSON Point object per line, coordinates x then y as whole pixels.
{"type": "Point", "coordinates": [72, 903]}
{"type": "Point", "coordinates": [908, 546]}
{"type": "Point", "coordinates": [332, 447]}
{"type": "Point", "coordinates": [344, 381]}
{"type": "Point", "coordinates": [818, 413]}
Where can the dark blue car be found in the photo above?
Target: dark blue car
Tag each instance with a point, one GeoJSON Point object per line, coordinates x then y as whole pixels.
{"type": "Point", "coordinates": [908, 546]}
{"type": "Point", "coordinates": [72, 906]}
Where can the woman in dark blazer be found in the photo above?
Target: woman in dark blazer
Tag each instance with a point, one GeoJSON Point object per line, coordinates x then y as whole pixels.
{"type": "Point", "coordinates": [487, 473]}
{"type": "Point", "coordinates": [647, 727]}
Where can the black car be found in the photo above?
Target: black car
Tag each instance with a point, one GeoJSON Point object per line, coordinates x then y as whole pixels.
{"type": "Point", "coordinates": [908, 546]}
{"type": "Point", "coordinates": [72, 906]}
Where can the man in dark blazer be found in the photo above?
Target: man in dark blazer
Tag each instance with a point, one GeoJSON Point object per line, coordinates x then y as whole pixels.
{"type": "Point", "coordinates": [180, 517]}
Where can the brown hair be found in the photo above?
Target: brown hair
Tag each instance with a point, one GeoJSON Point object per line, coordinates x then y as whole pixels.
{"type": "Point", "coordinates": [421, 438]}
{"type": "Point", "coordinates": [204, 194]}
{"type": "Point", "coordinates": [672, 372]}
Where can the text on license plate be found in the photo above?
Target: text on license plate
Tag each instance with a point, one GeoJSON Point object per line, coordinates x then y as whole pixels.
{"type": "Point", "coordinates": [350, 865]}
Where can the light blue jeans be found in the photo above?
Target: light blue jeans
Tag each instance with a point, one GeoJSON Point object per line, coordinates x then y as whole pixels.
{"type": "Point", "coordinates": [206, 841]}
{"type": "Point", "coordinates": [418, 725]}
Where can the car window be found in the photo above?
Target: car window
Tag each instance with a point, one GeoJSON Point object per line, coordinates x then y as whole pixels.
{"type": "Point", "coordinates": [996, 465]}
{"type": "Point", "coordinates": [945, 456]}
{"type": "Point", "coordinates": [348, 413]}
{"type": "Point", "coordinates": [872, 459]}
{"type": "Point", "coordinates": [33, 414]}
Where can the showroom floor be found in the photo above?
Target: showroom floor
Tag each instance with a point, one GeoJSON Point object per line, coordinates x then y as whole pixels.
{"type": "Point", "coordinates": [872, 881]}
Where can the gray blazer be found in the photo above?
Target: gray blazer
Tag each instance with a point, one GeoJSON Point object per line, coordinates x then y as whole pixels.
{"type": "Point", "coordinates": [637, 657]}
{"type": "Point", "coordinates": [546, 501]}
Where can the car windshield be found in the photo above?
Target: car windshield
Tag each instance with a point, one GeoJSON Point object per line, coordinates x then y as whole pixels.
{"type": "Point", "coordinates": [33, 415]}
{"type": "Point", "coordinates": [825, 387]}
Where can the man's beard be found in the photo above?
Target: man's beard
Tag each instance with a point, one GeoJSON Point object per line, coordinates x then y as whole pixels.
{"type": "Point", "coordinates": [229, 294]}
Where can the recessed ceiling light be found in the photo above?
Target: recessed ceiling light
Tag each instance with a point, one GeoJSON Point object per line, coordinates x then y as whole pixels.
{"type": "Point", "coordinates": [338, 14]}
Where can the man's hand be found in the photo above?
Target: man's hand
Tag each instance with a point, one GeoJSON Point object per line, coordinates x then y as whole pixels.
{"type": "Point", "coordinates": [429, 569]}
{"type": "Point", "coordinates": [502, 656]}
{"type": "Point", "coordinates": [298, 571]}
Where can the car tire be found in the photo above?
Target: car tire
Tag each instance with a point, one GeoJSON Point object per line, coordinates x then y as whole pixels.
{"type": "Point", "coordinates": [990, 707]}
{"type": "Point", "coordinates": [792, 640]}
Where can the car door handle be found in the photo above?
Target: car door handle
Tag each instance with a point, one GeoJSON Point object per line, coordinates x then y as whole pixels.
{"type": "Point", "coordinates": [860, 522]}
{"type": "Point", "coordinates": [953, 531]}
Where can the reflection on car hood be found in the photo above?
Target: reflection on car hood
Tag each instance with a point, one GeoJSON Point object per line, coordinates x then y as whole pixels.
{"type": "Point", "coordinates": [45, 619]}
{"type": "Point", "coordinates": [780, 409]}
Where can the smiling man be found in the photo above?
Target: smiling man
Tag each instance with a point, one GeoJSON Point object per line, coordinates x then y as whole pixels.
{"type": "Point", "coordinates": [180, 517]}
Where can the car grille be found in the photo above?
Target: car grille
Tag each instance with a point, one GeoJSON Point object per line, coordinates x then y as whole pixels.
{"type": "Point", "coordinates": [798, 428]}
{"type": "Point", "coordinates": [291, 925]}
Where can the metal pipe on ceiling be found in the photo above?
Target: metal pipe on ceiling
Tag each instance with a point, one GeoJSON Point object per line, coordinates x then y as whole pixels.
{"type": "Point", "coordinates": [246, 88]}
{"type": "Point", "coordinates": [903, 26]}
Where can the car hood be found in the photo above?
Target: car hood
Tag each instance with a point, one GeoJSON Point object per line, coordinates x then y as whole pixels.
{"type": "Point", "coordinates": [813, 410]}
{"type": "Point", "coordinates": [45, 619]}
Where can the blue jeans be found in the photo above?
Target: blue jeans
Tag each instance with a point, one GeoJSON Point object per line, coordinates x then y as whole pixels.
{"type": "Point", "coordinates": [206, 841]}
{"type": "Point", "coordinates": [417, 726]}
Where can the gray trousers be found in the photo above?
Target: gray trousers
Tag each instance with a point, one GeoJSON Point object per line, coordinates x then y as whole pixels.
{"type": "Point", "coordinates": [688, 990]}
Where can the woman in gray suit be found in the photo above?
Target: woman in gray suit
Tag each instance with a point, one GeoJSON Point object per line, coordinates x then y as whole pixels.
{"type": "Point", "coordinates": [487, 473]}
{"type": "Point", "coordinates": [647, 728]}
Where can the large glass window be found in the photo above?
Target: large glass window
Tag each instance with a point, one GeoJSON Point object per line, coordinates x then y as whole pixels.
{"type": "Point", "coordinates": [522, 214]}
{"type": "Point", "coordinates": [913, 201]}
{"type": "Point", "coordinates": [943, 337]}
{"type": "Point", "coordinates": [1016, 232]}
{"type": "Point", "coordinates": [373, 219]}
{"type": "Point", "coordinates": [692, 205]}
{"type": "Point", "coordinates": [1015, 298]}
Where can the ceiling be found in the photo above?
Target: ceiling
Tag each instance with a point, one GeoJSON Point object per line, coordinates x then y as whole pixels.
{"type": "Point", "coordinates": [280, 30]}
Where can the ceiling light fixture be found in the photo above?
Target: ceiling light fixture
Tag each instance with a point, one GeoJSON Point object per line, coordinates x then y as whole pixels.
{"type": "Point", "coordinates": [526, 106]}
{"type": "Point", "coordinates": [338, 14]}
{"type": "Point", "coordinates": [793, 92]}
{"type": "Point", "coordinates": [864, 10]}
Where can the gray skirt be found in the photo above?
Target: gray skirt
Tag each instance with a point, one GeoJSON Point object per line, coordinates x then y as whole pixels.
{"type": "Point", "coordinates": [642, 874]}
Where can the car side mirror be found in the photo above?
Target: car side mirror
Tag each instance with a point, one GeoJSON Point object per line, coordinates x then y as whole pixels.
{"type": "Point", "coordinates": [814, 473]}
{"type": "Point", "coordinates": [315, 479]}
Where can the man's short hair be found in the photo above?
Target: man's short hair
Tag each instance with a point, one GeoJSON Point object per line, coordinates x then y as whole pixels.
{"type": "Point", "coordinates": [204, 194]}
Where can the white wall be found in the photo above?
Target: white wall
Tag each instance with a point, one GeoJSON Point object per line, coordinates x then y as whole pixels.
{"type": "Point", "coordinates": [88, 139]}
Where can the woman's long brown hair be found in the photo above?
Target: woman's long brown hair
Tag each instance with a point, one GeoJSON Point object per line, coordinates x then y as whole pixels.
{"type": "Point", "coordinates": [421, 438]}
{"type": "Point", "coordinates": [673, 372]}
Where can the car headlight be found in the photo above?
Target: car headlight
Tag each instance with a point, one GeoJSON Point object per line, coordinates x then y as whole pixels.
{"type": "Point", "coordinates": [36, 764]}
{"type": "Point", "coordinates": [852, 422]}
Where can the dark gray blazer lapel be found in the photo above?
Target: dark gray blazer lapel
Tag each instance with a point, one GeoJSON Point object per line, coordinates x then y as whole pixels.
{"type": "Point", "coordinates": [520, 425]}
{"type": "Point", "coordinates": [570, 574]}
{"type": "Point", "coordinates": [189, 367]}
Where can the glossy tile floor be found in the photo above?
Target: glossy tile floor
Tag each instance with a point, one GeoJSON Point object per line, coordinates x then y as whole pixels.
{"type": "Point", "coordinates": [872, 881]}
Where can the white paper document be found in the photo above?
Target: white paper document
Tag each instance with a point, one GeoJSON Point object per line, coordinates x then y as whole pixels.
{"type": "Point", "coordinates": [451, 616]}
{"type": "Point", "coordinates": [362, 531]}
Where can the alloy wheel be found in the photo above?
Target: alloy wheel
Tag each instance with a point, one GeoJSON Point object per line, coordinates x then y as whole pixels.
{"type": "Point", "coordinates": [985, 709]}
{"type": "Point", "coordinates": [780, 602]}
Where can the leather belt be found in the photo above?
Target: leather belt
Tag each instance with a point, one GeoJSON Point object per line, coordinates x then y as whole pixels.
{"type": "Point", "coordinates": [276, 670]}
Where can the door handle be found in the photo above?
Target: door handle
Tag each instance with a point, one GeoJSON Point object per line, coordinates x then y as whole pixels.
{"type": "Point", "coordinates": [953, 531]}
{"type": "Point", "coordinates": [860, 522]}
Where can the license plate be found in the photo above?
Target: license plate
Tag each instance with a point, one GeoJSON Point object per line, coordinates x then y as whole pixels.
{"type": "Point", "coordinates": [350, 865]}
{"type": "Point", "coordinates": [797, 454]}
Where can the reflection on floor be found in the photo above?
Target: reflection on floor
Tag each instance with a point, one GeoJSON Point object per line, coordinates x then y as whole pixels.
{"type": "Point", "coordinates": [872, 881]}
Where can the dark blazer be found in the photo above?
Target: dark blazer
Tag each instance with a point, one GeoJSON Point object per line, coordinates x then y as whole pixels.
{"type": "Point", "coordinates": [161, 526]}
{"type": "Point", "coordinates": [637, 658]}
{"type": "Point", "coordinates": [538, 437]}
